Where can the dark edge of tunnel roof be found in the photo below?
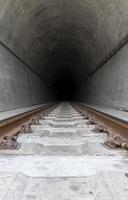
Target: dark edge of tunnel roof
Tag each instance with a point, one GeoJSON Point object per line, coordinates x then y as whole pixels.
{"type": "Point", "coordinates": [20, 59]}
{"type": "Point", "coordinates": [106, 59]}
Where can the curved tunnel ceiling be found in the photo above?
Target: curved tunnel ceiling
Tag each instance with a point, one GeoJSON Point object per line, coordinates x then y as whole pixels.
{"type": "Point", "coordinates": [55, 37]}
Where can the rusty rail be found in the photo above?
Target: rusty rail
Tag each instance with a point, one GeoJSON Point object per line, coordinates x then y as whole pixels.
{"type": "Point", "coordinates": [116, 129]}
{"type": "Point", "coordinates": [12, 125]}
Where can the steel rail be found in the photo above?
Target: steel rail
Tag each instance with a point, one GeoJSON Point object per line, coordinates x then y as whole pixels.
{"type": "Point", "coordinates": [114, 126]}
{"type": "Point", "coordinates": [12, 125]}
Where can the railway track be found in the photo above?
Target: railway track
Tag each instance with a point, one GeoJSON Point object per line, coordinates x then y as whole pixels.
{"type": "Point", "coordinates": [64, 152]}
{"type": "Point", "coordinates": [11, 125]}
{"type": "Point", "coordinates": [116, 128]}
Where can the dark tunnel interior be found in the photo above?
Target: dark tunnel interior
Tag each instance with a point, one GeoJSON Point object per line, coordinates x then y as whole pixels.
{"type": "Point", "coordinates": [65, 86]}
{"type": "Point", "coordinates": [65, 63]}
{"type": "Point", "coordinates": [63, 42]}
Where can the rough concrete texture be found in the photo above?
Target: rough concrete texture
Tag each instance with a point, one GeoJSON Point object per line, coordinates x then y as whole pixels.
{"type": "Point", "coordinates": [19, 86]}
{"type": "Point", "coordinates": [109, 85]}
{"type": "Point", "coordinates": [15, 112]}
{"type": "Point", "coordinates": [63, 41]}
{"type": "Point", "coordinates": [65, 163]}
{"type": "Point", "coordinates": [44, 32]}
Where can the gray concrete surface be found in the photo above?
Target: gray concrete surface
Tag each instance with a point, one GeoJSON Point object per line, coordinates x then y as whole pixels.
{"type": "Point", "coordinates": [63, 164]}
{"type": "Point", "coordinates": [19, 86]}
{"type": "Point", "coordinates": [15, 112]}
{"type": "Point", "coordinates": [117, 114]}
{"type": "Point", "coordinates": [39, 31]}
{"type": "Point", "coordinates": [108, 87]}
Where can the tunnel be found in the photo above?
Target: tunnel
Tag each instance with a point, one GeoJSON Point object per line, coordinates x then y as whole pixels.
{"type": "Point", "coordinates": [63, 99]}
{"type": "Point", "coordinates": [63, 50]}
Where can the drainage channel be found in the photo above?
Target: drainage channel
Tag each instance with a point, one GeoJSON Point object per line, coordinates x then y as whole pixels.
{"type": "Point", "coordinates": [61, 156]}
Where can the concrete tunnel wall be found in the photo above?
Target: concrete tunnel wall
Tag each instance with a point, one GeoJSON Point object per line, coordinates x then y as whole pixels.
{"type": "Point", "coordinates": [59, 41]}
{"type": "Point", "coordinates": [109, 85]}
{"type": "Point", "coordinates": [19, 86]}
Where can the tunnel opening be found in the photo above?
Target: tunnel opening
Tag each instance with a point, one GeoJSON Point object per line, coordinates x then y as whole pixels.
{"type": "Point", "coordinates": [63, 71]}
{"type": "Point", "coordinates": [65, 86]}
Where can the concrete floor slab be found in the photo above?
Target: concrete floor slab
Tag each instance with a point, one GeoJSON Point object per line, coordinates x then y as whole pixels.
{"type": "Point", "coordinates": [29, 188]}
